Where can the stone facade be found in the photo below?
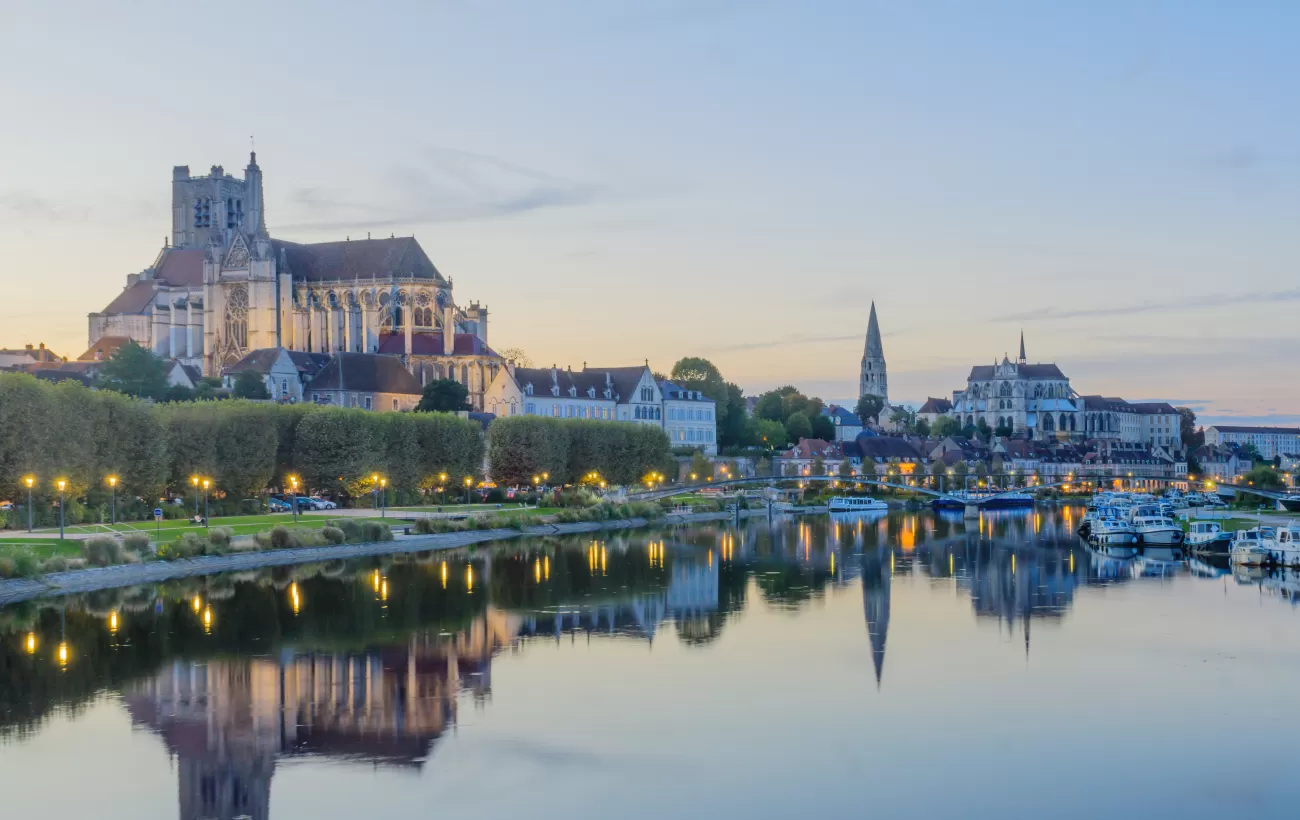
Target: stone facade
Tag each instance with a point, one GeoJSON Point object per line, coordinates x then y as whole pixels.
{"type": "Point", "coordinates": [873, 378]}
{"type": "Point", "coordinates": [222, 287]}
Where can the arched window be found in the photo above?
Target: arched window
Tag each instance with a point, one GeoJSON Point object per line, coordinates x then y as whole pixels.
{"type": "Point", "coordinates": [1049, 424]}
{"type": "Point", "coordinates": [1006, 389]}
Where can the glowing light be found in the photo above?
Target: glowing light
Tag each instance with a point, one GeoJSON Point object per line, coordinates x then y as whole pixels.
{"type": "Point", "coordinates": [112, 622]}
{"type": "Point", "coordinates": [603, 556]}
{"type": "Point", "coordinates": [537, 571]}
{"type": "Point", "coordinates": [295, 599]}
{"type": "Point", "coordinates": [30, 481]}
{"type": "Point", "coordinates": [469, 577]}
{"type": "Point", "coordinates": [383, 590]}
{"type": "Point", "coordinates": [546, 568]}
{"type": "Point", "coordinates": [207, 619]}
{"type": "Point", "coordinates": [31, 643]}
{"type": "Point", "coordinates": [197, 603]}
{"type": "Point", "coordinates": [444, 574]}
{"type": "Point", "coordinates": [375, 579]}
{"type": "Point", "coordinates": [112, 481]}
{"type": "Point", "coordinates": [63, 654]}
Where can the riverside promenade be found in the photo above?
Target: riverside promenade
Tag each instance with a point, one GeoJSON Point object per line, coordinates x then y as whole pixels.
{"type": "Point", "coordinates": [91, 579]}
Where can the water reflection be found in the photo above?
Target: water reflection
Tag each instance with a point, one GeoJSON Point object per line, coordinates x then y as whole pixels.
{"type": "Point", "coordinates": [371, 662]}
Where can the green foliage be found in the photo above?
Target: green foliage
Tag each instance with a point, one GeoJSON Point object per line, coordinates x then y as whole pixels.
{"type": "Point", "coordinates": [945, 426]}
{"type": "Point", "coordinates": [823, 428]}
{"type": "Point", "coordinates": [982, 429]}
{"type": "Point", "coordinates": [845, 469]}
{"type": "Point", "coordinates": [281, 538]}
{"type": "Point", "coordinates": [1192, 437]}
{"type": "Point", "coordinates": [701, 468]}
{"type": "Point", "coordinates": [250, 385]}
{"type": "Point", "coordinates": [136, 542]}
{"type": "Point", "coordinates": [922, 427]}
{"type": "Point", "coordinates": [334, 535]}
{"type": "Point", "coordinates": [443, 396]}
{"type": "Point", "coordinates": [102, 551]}
{"type": "Point", "coordinates": [798, 426]}
{"type": "Point", "coordinates": [134, 371]}
{"type": "Point", "coordinates": [521, 447]}
{"type": "Point", "coordinates": [1264, 477]}
{"type": "Point", "coordinates": [868, 408]}
{"type": "Point", "coordinates": [771, 434]}
{"type": "Point", "coordinates": [220, 537]}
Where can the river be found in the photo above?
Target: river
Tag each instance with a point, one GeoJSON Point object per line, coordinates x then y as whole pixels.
{"type": "Point", "coordinates": [907, 665]}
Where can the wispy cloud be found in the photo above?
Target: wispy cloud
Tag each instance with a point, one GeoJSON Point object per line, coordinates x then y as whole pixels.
{"type": "Point", "coordinates": [23, 205]}
{"type": "Point", "coordinates": [786, 341]}
{"type": "Point", "coordinates": [1172, 306]}
{"type": "Point", "coordinates": [444, 185]}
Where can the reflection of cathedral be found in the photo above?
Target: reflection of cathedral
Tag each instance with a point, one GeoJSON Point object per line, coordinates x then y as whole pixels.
{"type": "Point", "coordinates": [222, 287]}
{"type": "Point", "coordinates": [228, 721]}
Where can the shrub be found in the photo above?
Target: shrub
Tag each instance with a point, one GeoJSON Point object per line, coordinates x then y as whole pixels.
{"type": "Point", "coordinates": [219, 538]}
{"type": "Point", "coordinates": [495, 496]}
{"type": "Point", "coordinates": [187, 546]}
{"type": "Point", "coordinates": [137, 542]}
{"type": "Point", "coordinates": [352, 530]}
{"type": "Point", "coordinates": [262, 540]}
{"type": "Point", "coordinates": [56, 564]}
{"type": "Point", "coordinates": [6, 567]}
{"type": "Point", "coordinates": [281, 539]}
{"type": "Point", "coordinates": [334, 535]}
{"type": "Point", "coordinates": [375, 531]}
{"type": "Point", "coordinates": [102, 551]}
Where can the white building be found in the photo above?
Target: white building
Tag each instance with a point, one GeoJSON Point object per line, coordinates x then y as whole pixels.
{"type": "Point", "coordinates": [1270, 442]}
{"type": "Point", "coordinates": [689, 418]}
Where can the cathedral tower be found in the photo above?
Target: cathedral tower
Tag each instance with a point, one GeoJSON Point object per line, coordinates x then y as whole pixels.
{"type": "Point", "coordinates": [874, 380]}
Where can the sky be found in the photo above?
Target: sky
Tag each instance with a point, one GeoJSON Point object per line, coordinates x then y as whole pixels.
{"type": "Point", "coordinates": [734, 179]}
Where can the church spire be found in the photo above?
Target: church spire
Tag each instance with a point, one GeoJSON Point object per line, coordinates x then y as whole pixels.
{"type": "Point", "coordinates": [253, 192]}
{"type": "Point", "coordinates": [1022, 346]}
{"type": "Point", "coordinates": [874, 348]}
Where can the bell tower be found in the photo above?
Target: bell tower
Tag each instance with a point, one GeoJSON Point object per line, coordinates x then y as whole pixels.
{"type": "Point", "coordinates": [874, 379]}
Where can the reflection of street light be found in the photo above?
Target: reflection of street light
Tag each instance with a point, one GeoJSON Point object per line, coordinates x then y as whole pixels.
{"type": "Point", "coordinates": [63, 654]}
{"type": "Point", "coordinates": [62, 485]}
{"type": "Point", "coordinates": [295, 599]}
{"type": "Point", "coordinates": [112, 484]}
{"type": "Point", "coordinates": [30, 481]}
{"type": "Point", "coordinates": [31, 643]}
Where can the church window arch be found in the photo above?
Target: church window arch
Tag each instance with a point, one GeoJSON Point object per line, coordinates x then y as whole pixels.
{"type": "Point", "coordinates": [1006, 389]}
{"type": "Point", "coordinates": [464, 375]}
{"type": "Point", "coordinates": [237, 321]}
{"type": "Point", "coordinates": [1049, 423]}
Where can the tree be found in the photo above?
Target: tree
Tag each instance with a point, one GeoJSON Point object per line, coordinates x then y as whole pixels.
{"type": "Point", "coordinates": [945, 426]}
{"type": "Point", "coordinates": [732, 420]}
{"type": "Point", "coordinates": [922, 427]}
{"type": "Point", "coordinates": [904, 418]}
{"type": "Point", "coordinates": [819, 466]}
{"type": "Point", "coordinates": [798, 426]}
{"type": "Point", "coordinates": [695, 373]}
{"type": "Point", "coordinates": [1251, 452]}
{"type": "Point", "coordinates": [868, 408]}
{"type": "Point", "coordinates": [771, 434]}
{"type": "Point", "coordinates": [769, 406]}
{"type": "Point", "coordinates": [206, 389]}
{"type": "Point", "coordinates": [1265, 478]}
{"type": "Point", "coordinates": [178, 392]}
{"type": "Point", "coordinates": [443, 396]}
{"type": "Point", "coordinates": [1192, 438]}
{"type": "Point", "coordinates": [134, 371]}
{"type": "Point", "coordinates": [516, 355]}
{"type": "Point", "coordinates": [823, 428]}
{"type": "Point", "coordinates": [982, 429]}
{"type": "Point", "coordinates": [250, 385]}
{"type": "Point", "coordinates": [845, 470]}
{"type": "Point", "coordinates": [701, 468]}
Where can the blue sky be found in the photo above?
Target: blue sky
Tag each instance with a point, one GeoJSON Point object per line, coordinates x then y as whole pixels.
{"type": "Point", "coordinates": [729, 178]}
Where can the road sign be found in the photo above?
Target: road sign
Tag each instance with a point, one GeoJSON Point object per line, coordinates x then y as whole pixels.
{"type": "Point", "coordinates": [157, 513]}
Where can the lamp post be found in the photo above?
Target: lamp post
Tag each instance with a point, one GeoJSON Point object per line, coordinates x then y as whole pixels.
{"type": "Point", "coordinates": [293, 484]}
{"type": "Point", "coordinates": [468, 483]}
{"type": "Point", "coordinates": [206, 484]}
{"type": "Point", "coordinates": [383, 498]}
{"type": "Point", "coordinates": [195, 481]}
{"type": "Point", "coordinates": [62, 485]}
{"type": "Point", "coordinates": [374, 491]}
{"type": "Point", "coordinates": [30, 481]}
{"type": "Point", "coordinates": [112, 484]}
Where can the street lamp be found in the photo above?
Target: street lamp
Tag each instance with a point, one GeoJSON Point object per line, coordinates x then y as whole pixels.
{"type": "Point", "coordinates": [374, 491]}
{"type": "Point", "coordinates": [62, 485]}
{"type": "Point", "coordinates": [30, 481]}
{"type": "Point", "coordinates": [468, 483]}
{"type": "Point", "coordinates": [112, 483]}
{"type": "Point", "coordinates": [383, 500]}
{"type": "Point", "coordinates": [195, 481]}
{"type": "Point", "coordinates": [293, 484]}
{"type": "Point", "coordinates": [206, 484]}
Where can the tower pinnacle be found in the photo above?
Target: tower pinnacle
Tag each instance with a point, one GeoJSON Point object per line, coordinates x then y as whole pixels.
{"type": "Point", "coordinates": [873, 379]}
{"type": "Point", "coordinates": [1022, 347]}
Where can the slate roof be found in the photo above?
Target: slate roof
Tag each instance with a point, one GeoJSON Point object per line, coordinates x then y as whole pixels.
{"type": "Point", "coordinates": [937, 406]}
{"type": "Point", "coordinates": [262, 360]}
{"type": "Point", "coordinates": [984, 372]}
{"type": "Point", "coordinates": [884, 448]}
{"type": "Point", "coordinates": [847, 418]}
{"type": "Point", "coordinates": [625, 378]}
{"type": "Point", "coordinates": [1226, 428]}
{"type": "Point", "coordinates": [400, 257]}
{"type": "Point", "coordinates": [134, 299]}
{"type": "Point", "coordinates": [365, 373]}
{"type": "Point", "coordinates": [812, 448]}
{"type": "Point", "coordinates": [103, 349]}
{"type": "Point", "coordinates": [676, 392]}
{"type": "Point", "coordinates": [430, 344]}
{"type": "Point", "coordinates": [544, 378]}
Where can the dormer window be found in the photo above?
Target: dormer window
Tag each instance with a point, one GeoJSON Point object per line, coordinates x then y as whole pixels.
{"type": "Point", "coordinates": [573, 392]}
{"type": "Point", "coordinates": [555, 390]}
{"type": "Point", "coordinates": [591, 392]}
{"type": "Point", "coordinates": [528, 388]}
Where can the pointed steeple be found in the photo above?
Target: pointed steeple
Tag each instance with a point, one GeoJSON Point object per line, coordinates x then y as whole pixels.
{"type": "Point", "coordinates": [876, 579]}
{"type": "Point", "coordinates": [874, 348]}
{"type": "Point", "coordinates": [1022, 346]}
{"type": "Point", "coordinates": [253, 193]}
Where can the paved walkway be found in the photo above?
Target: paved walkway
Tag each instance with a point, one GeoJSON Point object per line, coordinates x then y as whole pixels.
{"type": "Point", "coordinates": [88, 580]}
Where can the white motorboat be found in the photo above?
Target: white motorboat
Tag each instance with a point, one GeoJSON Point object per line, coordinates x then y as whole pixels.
{"type": "Point", "coordinates": [1253, 547]}
{"type": "Point", "coordinates": [1208, 538]}
{"type": "Point", "coordinates": [1155, 528]}
{"type": "Point", "coordinates": [1288, 546]}
{"type": "Point", "coordinates": [857, 503]}
{"type": "Point", "coordinates": [1109, 529]}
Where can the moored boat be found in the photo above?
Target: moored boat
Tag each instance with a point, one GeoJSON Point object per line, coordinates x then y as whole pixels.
{"type": "Point", "coordinates": [1208, 538]}
{"type": "Point", "coordinates": [857, 503]}
{"type": "Point", "coordinates": [1252, 547]}
{"type": "Point", "coordinates": [1155, 528]}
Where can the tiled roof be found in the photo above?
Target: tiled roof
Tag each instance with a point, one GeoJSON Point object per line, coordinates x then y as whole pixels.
{"type": "Point", "coordinates": [400, 257]}
{"type": "Point", "coordinates": [365, 373]}
{"type": "Point", "coordinates": [263, 359]}
{"type": "Point", "coordinates": [885, 447]}
{"type": "Point", "coordinates": [625, 378]}
{"type": "Point", "coordinates": [812, 448]}
{"type": "Point", "coordinates": [430, 344]}
{"type": "Point", "coordinates": [984, 372]}
{"type": "Point", "coordinates": [134, 299]}
{"type": "Point", "coordinates": [937, 406]}
{"type": "Point", "coordinates": [180, 267]}
{"type": "Point", "coordinates": [103, 349]}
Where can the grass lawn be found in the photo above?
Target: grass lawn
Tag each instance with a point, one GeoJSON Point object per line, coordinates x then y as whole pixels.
{"type": "Point", "coordinates": [479, 509]}
{"type": "Point", "coordinates": [239, 525]}
{"type": "Point", "coordinates": [41, 547]}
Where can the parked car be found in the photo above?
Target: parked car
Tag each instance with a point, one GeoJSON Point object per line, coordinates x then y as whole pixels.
{"type": "Point", "coordinates": [278, 505]}
{"type": "Point", "coordinates": [323, 503]}
{"type": "Point", "coordinates": [305, 503]}
{"type": "Point", "coordinates": [6, 505]}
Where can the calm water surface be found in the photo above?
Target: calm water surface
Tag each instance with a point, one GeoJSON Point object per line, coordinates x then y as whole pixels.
{"type": "Point", "coordinates": [898, 666]}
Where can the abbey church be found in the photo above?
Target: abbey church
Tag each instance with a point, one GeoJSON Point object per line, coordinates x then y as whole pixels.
{"type": "Point", "coordinates": [221, 288]}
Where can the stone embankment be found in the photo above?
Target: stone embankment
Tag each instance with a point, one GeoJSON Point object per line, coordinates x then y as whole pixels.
{"type": "Point", "coordinates": [88, 580]}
